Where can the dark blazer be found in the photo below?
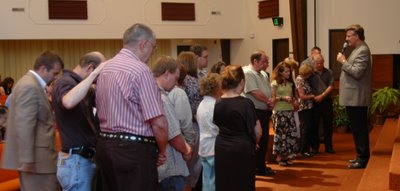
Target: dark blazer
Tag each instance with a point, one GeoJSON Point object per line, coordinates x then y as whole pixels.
{"type": "Point", "coordinates": [30, 136]}
{"type": "Point", "coordinates": [355, 78]}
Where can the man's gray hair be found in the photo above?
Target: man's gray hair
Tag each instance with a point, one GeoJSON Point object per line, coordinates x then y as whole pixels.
{"type": "Point", "coordinates": [137, 32]}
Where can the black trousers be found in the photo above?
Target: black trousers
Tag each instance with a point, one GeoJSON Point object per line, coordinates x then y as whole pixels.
{"type": "Point", "coordinates": [323, 111]}
{"type": "Point", "coordinates": [359, 128]}
{"type": "Point", "coordinates": [126, 165]}
{"type": "Point", "coordinates": [263, 116]}
{"type": "Point", "coordinates": [306, 129]}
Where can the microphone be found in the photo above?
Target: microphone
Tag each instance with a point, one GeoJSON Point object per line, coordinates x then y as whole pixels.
{"type": "Point", "coordinates": [345, 45]}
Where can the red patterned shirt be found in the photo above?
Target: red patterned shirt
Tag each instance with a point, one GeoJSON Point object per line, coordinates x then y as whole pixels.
{"type": "Point", "coordinates": [127, 96]}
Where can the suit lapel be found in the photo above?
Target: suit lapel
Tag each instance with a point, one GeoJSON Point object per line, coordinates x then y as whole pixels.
{"type": "Point", "coordinates": [41, 90]}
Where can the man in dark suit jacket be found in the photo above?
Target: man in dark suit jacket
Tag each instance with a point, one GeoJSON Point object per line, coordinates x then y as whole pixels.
{"type": "Point", "coordinates": [355, 91]}
{"type": "Point", "coordinates": [30, 144]}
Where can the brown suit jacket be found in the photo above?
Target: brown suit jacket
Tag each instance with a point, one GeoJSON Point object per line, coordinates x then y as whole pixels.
{"type": "Point", "coordinates": [30, 136]}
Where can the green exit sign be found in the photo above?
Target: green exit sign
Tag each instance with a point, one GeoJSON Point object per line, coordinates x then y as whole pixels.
{"type": "Point", "coordinates": [277, 21]}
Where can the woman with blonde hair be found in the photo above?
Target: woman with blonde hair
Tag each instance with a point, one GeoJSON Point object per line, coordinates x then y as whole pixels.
{"type": "Point", "coordinates": [306, 98]}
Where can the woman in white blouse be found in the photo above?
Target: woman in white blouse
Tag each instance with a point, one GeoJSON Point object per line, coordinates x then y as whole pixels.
{"type": "Point", "coordinates": [210, 88]}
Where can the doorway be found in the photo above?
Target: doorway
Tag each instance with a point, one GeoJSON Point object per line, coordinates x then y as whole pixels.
{"type": "Point", "coordinates": [280, 50]}
{"type": "Point", "coordinates": [336, 40]}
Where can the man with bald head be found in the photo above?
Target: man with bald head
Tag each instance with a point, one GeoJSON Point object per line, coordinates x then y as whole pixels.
{"type": "Point", "coordinates": [73, 102]}
{"type": "Point", "coordinates": [314, 51]}
{"type": "Point", "coordinates": [322, 86]}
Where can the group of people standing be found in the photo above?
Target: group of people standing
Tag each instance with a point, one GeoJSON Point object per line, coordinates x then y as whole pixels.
{"type": "Point", "coordinates": [126, 126]}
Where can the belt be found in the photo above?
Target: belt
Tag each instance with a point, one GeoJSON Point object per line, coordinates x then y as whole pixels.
{"type": "Point", "coordinates": [129, 137]}
{"type": "Point", "coordinates": [86, 152]}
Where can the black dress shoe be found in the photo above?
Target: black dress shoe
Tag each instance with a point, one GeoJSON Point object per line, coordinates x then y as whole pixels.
{"type": "Point", "coordinates": [314, 152]}
{"type": "Point", "coordinates": [357, 165]}
{"type": "Point", "coordinates": [354, 160]}
{"type": "Point", "coordinates": [330, 151]}
{"type": "Point", "coordinates": [265, 172]}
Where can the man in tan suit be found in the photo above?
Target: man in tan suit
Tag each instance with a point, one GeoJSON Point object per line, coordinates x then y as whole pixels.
{"type": "Point", "coordinates": [30, 139]}
{"type": "Point", "coordinates": [355, 91]}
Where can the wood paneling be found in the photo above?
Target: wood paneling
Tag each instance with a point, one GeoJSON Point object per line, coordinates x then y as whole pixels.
{"type": "Point", "coordinates": [177, 11]}
{"type": "Point", "coordinates": [18, 56]}
{"type": "Point", "coordinates": [268, 9]}
{"type": "Point", "coordinates": [68, 9]}
{"type": "Point", "coordinates": [385, 70]}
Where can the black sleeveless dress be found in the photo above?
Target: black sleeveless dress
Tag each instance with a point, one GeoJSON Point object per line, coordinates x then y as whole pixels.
{"type": "Point", "coordinates": [235, 144]}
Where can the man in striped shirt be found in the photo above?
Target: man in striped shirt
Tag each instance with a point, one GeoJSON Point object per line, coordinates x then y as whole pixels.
{"type": "Point", "coordinates": [133, 127]}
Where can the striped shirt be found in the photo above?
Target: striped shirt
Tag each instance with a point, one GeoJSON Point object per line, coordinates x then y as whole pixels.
{"type": "Point", "coordinates": [127, 96]}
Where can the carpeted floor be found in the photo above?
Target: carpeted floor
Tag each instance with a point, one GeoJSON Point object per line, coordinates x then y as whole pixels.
{"type": "Point", "coordinates": [323, 172]}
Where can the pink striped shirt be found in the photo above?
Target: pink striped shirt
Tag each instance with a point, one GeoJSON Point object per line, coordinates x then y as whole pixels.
{"type": "Point", "coordinates": [127, 96]}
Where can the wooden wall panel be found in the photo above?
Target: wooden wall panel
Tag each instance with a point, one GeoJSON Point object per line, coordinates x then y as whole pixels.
{"type": "Point", "coordinates": [385, 71]}
{"type": "Point", "coordinates": [18, 56]}
{"type": "Point", "coordinates": [177, 11]}
{"type": "Point", "coordinates": [68, 9]}
{"type": "Point", "coordinates": [268, 9]}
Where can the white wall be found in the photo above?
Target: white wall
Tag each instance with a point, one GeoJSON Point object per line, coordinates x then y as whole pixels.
{"type": "Point", "coordinates": [380, 20]}
{"type": "Point", "coordinates": [108, 19]}
{"type": "Point", "coordinates": [238, 21]}
{"type": "Point", "coordinates": [264, 32]}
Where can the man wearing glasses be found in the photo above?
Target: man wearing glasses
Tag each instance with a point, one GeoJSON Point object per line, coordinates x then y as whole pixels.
{"type": "Point", "coordinates": [133, 128]}
{"type": "Point", "coordinates": [355, 91]}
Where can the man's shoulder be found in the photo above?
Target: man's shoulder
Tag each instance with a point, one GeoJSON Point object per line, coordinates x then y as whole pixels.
{"type": "Point", "coordinates": [307, 61]}
{"type": "Point", "coordinates": [26, 81]}
{"type": "Point", "coordinates": [327, 70]}
{"type": "Point", "coordinates": [126, 63]}
{"type": "Point", "coordinates": [177, 92]}
{"type": "Point", "coordinates": [247, 69]}
{"type": "Point", "coordinates": [63, 84]}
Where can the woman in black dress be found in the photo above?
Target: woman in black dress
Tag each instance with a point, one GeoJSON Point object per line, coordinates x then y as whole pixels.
{"type": "Point", "coordinates": [239, 133]}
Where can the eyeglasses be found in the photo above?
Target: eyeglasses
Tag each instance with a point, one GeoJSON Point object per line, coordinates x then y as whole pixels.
{"type": "Point", "coordinates": [351, 35]}
{"type": "Point", "coordinates": [154, 45]}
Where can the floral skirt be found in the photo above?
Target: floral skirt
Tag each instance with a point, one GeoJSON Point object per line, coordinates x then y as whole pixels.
{"type": "Point", "coordinates": [285, 138]}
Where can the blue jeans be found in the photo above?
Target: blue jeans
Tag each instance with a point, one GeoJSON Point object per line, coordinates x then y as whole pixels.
{"type": "Point", "coordinates": [173, 183]}
{"type": "Point", "coordinates": [74, 172]}
{"type": "Point", "coordinates": [208, 173]}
